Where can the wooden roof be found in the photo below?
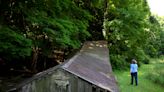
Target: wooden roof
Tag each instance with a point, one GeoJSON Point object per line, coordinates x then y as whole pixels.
{"type": "Point", "coordinates": [92, 64]}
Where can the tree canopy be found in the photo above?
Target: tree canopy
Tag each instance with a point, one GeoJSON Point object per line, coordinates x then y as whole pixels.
{"type": "Point", "coordinates": [34, 27]}
{"type": "Point", "coordinates": [33, 31]}
{"type": "Point", "coordinates": [130, 29]}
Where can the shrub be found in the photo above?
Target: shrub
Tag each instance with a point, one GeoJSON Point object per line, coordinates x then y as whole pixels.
{"type": "Point", "coordinates": [157, 74]}
{"type": "Point", "coordinates": [142, 57]}
{"type": "Point", "coordinates": [118, 62]}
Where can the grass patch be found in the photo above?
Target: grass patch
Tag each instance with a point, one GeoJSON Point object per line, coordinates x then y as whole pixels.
{"type": "Point", "coordinates": [144, 83]}
{"type": "Point", "coordinates": [157, 73]}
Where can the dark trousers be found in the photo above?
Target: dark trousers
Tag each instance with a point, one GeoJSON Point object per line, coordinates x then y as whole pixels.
{"type": "Point", "coordinates": [134, 75]}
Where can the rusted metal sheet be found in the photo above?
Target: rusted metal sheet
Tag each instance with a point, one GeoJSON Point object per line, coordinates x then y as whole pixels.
{"type": "Point", "coordinates": [92, 64]}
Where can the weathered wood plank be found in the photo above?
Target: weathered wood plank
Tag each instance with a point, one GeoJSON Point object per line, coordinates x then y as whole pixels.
{"type": "Point", "coordinates": [87, 71]}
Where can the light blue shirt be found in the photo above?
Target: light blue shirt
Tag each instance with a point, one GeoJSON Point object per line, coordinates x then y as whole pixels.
{"type": "Point", "coordinates": [133, 68]}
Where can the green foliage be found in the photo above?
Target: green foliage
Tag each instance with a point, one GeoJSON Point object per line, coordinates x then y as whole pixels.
{"type": "Point", "coordinates": [13, 45]}
{"type": "Point", "coordinates": [162, 42]}
{"type": "Point", "coordinates": [61, 21]}
{"type": "Point", "coordinates": [125, 24]}
{"type": "Point", "coordinates": [141, 55]}
{"type": "Point", "coordinates": [154, 41]}
{"type": "Point", "coordinates": [119, 62]}
{"type": "Point", "coordinates": [161, 45]}
{"type": "Point", "coordinates": [157, 73]}
{"type": "Point", "coordinates": [96, 8]}
{"type": "Point", "coordinates": [43, 25]}
{"type": "Point", "coordinates": [70, 31]}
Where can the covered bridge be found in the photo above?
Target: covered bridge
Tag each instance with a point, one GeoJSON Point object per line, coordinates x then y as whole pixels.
{"type": "Point", "coordinates": [87, 71]}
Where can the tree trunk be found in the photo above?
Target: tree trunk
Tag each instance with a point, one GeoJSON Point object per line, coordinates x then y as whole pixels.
{"type": "Point", "coordinates": [34, 59]}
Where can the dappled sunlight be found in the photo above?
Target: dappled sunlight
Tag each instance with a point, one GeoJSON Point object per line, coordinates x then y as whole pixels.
{"type": "Point", "coordinates": [161, 61]}
{"type": "Point", "coordinates": [100, 44]}
{"type": "Point", "coordinates": [154, 61]}
{"type": "Point", "coordinates": [90, 47]}
{"type": "Point", "coordinates": [91, 44]}
{"type": "Point", "coordinates": [141, 73]}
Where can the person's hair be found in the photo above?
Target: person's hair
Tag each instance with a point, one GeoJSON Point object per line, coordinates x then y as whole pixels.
{"type": "Point", "coordinates": [134, 61]}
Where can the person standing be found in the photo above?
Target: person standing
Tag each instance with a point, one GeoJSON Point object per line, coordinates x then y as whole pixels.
{"type": "Point", "coordinates": [134, 71]}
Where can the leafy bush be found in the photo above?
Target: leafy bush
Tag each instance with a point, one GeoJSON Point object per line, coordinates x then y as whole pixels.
{"type": "Point", "coordinates": [118, 62]}
{"type": "Point", "coordinates": [142, 57]}
{"type": "Point", "coordinates": [157, 74]}
{"type": "Point", "coordinates": [123, 59]}
{"type": "Point", "coordinates": [146, 60]}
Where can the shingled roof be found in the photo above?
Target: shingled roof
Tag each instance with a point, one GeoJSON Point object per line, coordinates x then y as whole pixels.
{"type": "Point", "coordinates": [92, 64]}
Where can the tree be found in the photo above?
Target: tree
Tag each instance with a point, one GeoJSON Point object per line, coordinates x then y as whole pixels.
{"type": "Point", "coordinates": [96, 8]}
{"type": "Point", "coordinates": [47, 24]}
{"type": "Point", "coordinates": [126, 24]}
{"type": "Point", "coordinates": [153, 40]}
{"type": "Point", "coordinates": [13, 45]}
{"type": "Point", "coordinates": [161, 47]}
